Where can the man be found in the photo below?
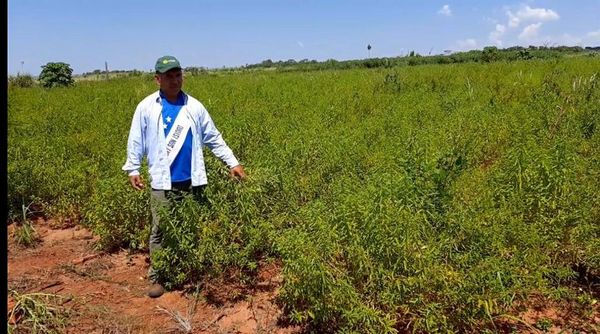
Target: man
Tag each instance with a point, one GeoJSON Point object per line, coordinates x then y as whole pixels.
{"type": "Point", "coordinates": [170, 128]}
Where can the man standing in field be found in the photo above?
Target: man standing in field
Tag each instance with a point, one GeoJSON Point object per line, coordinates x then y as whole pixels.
{"type": "Point", "coordinates": [170, 128]}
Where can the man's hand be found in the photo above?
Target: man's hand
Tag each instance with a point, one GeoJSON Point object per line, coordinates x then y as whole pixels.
{"type": "Point", "coordinates": [237, 172]}
{"type": "Point", "coordinates": [136, 182]}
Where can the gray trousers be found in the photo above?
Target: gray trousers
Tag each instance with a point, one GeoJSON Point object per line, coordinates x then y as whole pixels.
{"type": "Point", "coordinates": [165, 198]}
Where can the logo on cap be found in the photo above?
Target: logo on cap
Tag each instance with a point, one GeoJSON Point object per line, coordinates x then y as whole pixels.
{"type": "Point", "coordinates": [166, 63]}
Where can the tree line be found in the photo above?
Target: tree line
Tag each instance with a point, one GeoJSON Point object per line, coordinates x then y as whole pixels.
{"type": "Point", "coordinates": [56, 74]}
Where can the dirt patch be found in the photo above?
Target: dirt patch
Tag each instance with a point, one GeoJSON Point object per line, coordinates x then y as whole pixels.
{"type": "Point", "coordinates": [561, 316]}
{"type": "Point", "coordinates": [542, 315]}
{"type": "Point", "coordinates": [106, 293]}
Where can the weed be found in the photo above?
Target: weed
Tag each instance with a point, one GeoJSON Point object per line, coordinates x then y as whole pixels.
{"type": "Point", "coordinates": [183, 323]}
{"type": "Point", "coordinates": [26, 235]}
{"type": "Point", "coordinates": [544, 324]}
{"type": "Point", "coordinates": [36, 313]}
{"type": "Point", "coordinates": [21, 80]}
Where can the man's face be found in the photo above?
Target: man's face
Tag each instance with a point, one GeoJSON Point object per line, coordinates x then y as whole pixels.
{"type": "Point", "coordinates": [171, 81]}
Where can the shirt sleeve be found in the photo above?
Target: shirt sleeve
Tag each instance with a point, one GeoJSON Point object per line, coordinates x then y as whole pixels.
{"type": "Point", "coordinates": [135, 143]}
{"type": "Point", "coordinates": [211, 137]}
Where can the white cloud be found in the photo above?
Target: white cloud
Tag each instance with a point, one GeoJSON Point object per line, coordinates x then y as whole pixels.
{"type": "Point", "coordinates": [445, 10]}
{"type": "Point", "coordinates": [496, 35]}
{"type": "Point", "coordinates": [513, 21]}
{"type": "Point", "coordinates": [523, 24]}
{"type": "Point", "coordinates": [591, 38]}
{"type": "Point", "coordinates": [300, 44]}
{"type": "Point", "coordinates": [567, 39]}
{"type": "Point", "coordinates": [528, 14]}
{"type": "Point", "coordinates": [530, 32]}
{"type": "Point", "coordinates": [467, 44]}
{"type": "Point", "coordinates": [593, 35]}
{"type": "Point", "coordinates": [537, 14]}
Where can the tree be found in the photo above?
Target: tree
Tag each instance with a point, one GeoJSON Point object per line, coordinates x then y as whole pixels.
{"type": "Point", "coordinates": [56, 75]}
{"type": "Point", "coordinates": [267, 63]}
{"type": "Point", "coordinates": [489, 54]}
{"type": "Point", "coordinates": [525, 54]}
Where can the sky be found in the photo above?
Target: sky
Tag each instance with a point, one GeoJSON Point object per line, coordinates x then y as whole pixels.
{"type": "Point", "coordinates": [132, 34]}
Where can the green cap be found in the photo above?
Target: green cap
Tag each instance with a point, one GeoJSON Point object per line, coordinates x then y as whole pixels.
{"type": "Point", "coordinates": [165, 63]}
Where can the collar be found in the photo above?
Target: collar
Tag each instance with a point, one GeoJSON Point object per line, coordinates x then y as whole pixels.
{"type": "Point", "coordinates": [181, 98]}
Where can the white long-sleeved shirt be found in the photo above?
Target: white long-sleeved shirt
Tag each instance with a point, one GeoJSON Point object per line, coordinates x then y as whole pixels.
{"type": "Point", "coordinates": [147, 137]}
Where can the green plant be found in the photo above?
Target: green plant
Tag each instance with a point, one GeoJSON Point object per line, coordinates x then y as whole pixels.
{"type": "Point", "coordinates": [544, 324]}
{"type": "Point", "coordinates": [57, 74]}
{"type": "Point", "coordinates": [26, 235]}
{"type": "Point", "coordinates": [490, 53]}
{"type": "Point", "coordinates": [119, 215]}
{"type": "Point", "coordinates": [21, 80]}
{"type": "Point", "coordinates": [35, 313]}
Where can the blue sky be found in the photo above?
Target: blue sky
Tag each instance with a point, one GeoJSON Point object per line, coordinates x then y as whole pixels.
{"type": "Point", "coordinates": [132, 34]}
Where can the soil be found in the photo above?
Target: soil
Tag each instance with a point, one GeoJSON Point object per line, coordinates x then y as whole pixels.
{"type": "Point", "coordinates": [106, 293]}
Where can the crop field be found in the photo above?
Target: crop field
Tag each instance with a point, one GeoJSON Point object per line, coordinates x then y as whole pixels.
{"type": "Point", "coordinates": [434, 198]}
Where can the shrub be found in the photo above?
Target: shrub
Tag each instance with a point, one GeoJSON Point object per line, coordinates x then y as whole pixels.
{"type": "Point", "coordinates": [22, 81]}
{"type": "Point", "coordinates": [119, 215]}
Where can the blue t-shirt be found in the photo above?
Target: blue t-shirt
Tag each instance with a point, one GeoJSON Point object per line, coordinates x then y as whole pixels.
{"type": "Point", "coordinates": [181, 168]}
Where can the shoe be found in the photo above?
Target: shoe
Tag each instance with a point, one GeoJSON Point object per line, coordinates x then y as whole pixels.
{"type": "Point", "coordinates": [156, 290]}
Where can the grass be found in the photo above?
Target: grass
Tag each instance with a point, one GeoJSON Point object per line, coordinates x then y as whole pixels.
{"type": "Point", "coordinates": [25, 235]}
{"type": "Point", "coordinates": [183, 323]}
{"type": "Point", "coordinates": [36, 313]}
